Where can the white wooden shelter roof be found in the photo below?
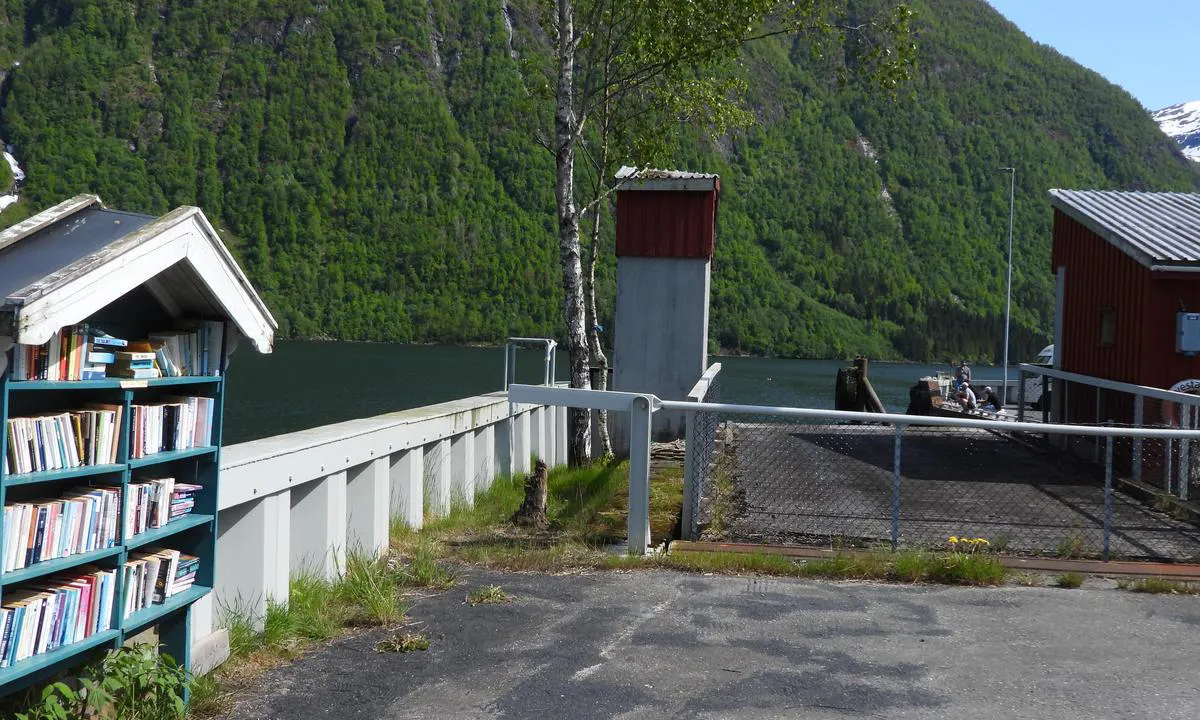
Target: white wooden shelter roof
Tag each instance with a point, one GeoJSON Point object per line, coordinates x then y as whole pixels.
{"type": "Point", "coordinates": [62, 265]}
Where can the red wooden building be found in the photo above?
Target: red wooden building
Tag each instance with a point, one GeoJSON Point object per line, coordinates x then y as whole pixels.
{"type": "Point", "coordinates": [1128, 267]}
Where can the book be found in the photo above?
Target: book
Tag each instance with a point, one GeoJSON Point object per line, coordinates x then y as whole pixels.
{"type": "Point", "coordinates": [101, 357]}
{"type": "Point", "coordinates": [99, 338]}
{"type": "Point", "coordinates": [61, 440]}
{"type": "Point", "coordinates": [143, 373]}
{"type": "Point", "coordinates": [81, 520]}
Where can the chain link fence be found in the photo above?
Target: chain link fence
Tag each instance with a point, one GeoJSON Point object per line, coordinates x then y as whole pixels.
{"type": "Point", "coordinates": [768, 478]}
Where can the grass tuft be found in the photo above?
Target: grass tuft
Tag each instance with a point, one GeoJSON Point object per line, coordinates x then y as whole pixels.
{"type": "Point", "coordinates": [488, 595]}
{"type": "Point", "coordinates": [1071, 546]}
{"type": "Point", "coordinates": [909, 566]}
{"type": "Point", "coordinates": [1158, 586]}
{"type": "Point", "coordinates": [1069, 580]}
{"type": "Point", "coordinates": [402, 642]}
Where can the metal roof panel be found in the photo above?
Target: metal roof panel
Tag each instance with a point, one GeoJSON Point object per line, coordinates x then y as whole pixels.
{"type": "Point", "coordinates": [1152, 227]}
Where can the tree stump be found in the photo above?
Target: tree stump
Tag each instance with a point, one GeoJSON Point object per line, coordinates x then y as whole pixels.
{"type": "Point", "coordinates": [532, 512]}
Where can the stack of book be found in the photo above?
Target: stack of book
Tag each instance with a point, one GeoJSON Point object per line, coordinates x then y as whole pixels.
{"type": "Point", "coordinates": [155, 575]}
{"type": "Point", "coordinates": [82, 520]}
{"type": "Point", "coordinates": [101, 354]}
{"type": "Point", "coordinates": [183, 499]}
{"type": "Point", "coordinates": [185, 574]}
{"type": "Point", "coordinates": [148, 505]}
{"type": "Point", "coordinates": [180, 424]}
{"type": "Point", "coordinates": [55, 611]}
{"type": "Point", "coordinates": [57, 441]}
{"type": "Point", "coordinates": [135, 364]}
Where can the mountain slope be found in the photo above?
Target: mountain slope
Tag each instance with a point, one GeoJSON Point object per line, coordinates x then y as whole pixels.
{"type": "Point", "coordinates": [374, 165]}
{"type": "Point", "coordinates": [1181, 123]}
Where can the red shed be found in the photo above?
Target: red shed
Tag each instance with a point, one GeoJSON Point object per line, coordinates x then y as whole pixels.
{"type": "Point", "coordinates": [1128, 267]}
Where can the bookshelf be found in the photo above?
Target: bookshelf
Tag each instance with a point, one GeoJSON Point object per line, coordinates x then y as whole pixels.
{"type": "Point", "coordinates": [135, 277]}
{"type": "Point", "coordinates": [193, 533]}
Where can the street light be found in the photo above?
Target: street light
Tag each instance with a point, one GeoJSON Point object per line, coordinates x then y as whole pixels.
{"type": "Point", "coordinates": [1012, 184]}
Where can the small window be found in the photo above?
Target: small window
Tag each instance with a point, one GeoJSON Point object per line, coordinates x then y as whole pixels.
{"type": "Point", "coordinates": [1108, 327]}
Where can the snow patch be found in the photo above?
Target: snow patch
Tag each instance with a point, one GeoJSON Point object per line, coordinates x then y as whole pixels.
{"type": "Point", "coordinates": [1182, 124]}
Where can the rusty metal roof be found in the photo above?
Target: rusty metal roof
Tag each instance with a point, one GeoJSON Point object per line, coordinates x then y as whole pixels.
{"type": "Point", "coordinates": [1155, 228]}
{"type": "Point", "coordinates": [655, 179]}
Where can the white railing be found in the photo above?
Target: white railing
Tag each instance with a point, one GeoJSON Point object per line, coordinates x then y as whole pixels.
{"type": "Point", "coordinates": [642, 406]}
{"type": "Point", "coordinates": [301, 499]}
{"type": "Point", "coordinates": [1151, 407]}
{"type": "Point", "coordinates": [700, 437]}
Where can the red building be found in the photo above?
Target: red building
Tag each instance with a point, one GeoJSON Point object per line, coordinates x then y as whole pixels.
{"type": "Point", "coordinates": [1128, 273]}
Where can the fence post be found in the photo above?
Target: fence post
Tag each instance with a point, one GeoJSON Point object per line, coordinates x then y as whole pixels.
{"type": "Point", "coordinates": [1185, 475]}
{"type": "Point", "coordinates": [1096, 438]}
{"type": "Point", "coordinates": [639, 475]}
{"type": "Point", "coordinates": [1045, 400]}
{"type": "Point", "coordinates": [690, 491]}
{"type": "Point", "coordinates": [1138, 412]}
{"type": "Point", "coordinates": [1021, 394]}
{"type": "Point", "coordinates": [1108, 492]}
{"type": "Point", "coordinates": [896, 488]}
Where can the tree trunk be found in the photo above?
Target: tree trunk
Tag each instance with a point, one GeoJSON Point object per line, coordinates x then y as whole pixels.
{"type": "Point", "coordinates": [565, 136]}
{"type": "Point", "coordinates": [598, 356]}
{"type": "Point", "coordinates": [532, 512]}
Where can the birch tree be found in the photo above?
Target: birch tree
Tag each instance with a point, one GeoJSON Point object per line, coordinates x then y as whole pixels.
{"type": "Point", "coordinates": [617, 61]}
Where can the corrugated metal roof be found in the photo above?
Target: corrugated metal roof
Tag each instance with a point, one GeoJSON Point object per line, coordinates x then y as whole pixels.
{"type": "Point", "coordinates": [1155, 228]}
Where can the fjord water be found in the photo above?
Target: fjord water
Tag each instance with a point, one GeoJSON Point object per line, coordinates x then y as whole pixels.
{"type": "Point", "coordinates": [306, 384]}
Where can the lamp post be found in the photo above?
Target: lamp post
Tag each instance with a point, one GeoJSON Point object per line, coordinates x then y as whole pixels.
{"type": "Point", "coordinates": [1012, 184]}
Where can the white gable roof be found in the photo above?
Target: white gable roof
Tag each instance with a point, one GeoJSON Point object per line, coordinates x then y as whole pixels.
{"type": "Point", "coordinates": [65, 263]}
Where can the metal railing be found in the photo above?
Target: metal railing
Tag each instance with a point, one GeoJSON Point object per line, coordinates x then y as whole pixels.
{"type": "Point", "coordinates": [518, 457]}
{"type": "Point", "coordinates": [780, 474]}
{"type": "Point", "coordinates": [1072, 398]}
{"type": "Point", "coordinates": [700, 431]}
{"type": "Point", "coordinates": [549, 348]}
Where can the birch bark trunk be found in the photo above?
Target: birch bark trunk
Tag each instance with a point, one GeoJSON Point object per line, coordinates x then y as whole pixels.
{"type": "Point", "coordinates": [566, 133]}
{"type": "Point", "coordinates": [597, 350]}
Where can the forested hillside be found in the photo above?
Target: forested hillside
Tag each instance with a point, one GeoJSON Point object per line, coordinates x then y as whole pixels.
{"type": "Point", "coordinates": [375, 165]}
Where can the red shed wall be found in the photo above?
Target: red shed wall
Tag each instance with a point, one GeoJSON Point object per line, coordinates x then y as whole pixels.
{"type": "Point", "coordinates": [665, 223]}
{"type": "Point", "coordinates": [1100, 277]}
{"type": "Point", "coordinates": [1161, 365]}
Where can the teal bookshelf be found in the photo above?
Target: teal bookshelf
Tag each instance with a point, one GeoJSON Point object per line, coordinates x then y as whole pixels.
{"type": "Point", "coordinates": [193, 533]}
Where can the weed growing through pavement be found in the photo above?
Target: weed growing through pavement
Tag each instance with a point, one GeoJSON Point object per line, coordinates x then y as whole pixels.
{"type": "Point", "coordinates": [1158, 586]}
{"type": "Point", "coordinates": [488, 595]}
{"type": "Point", "coordinates": [402, 641]}
{"type": "Point", "coordinates": [1071, 546]}
{"type": "Point", "coordinates": [1069, 580]}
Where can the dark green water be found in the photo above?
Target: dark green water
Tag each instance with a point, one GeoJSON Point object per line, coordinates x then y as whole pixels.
{"type": "Point", "coordinates": [306, 384]}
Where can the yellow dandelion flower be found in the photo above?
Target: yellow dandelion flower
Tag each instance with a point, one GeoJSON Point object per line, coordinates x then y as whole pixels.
{"type": "Point", "coordinates": [953, 539]}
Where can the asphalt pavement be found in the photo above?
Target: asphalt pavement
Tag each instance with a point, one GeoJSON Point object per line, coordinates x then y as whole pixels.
{"type": "Point", "coordinates": [666, 644]}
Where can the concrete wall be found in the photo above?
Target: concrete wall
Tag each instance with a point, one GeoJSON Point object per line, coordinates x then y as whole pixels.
{"type": "Point", "coordinates": [300, 500]}
{"type": "Point", "coordinates": [661, 336]}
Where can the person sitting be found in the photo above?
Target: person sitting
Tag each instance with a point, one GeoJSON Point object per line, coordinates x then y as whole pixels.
{"type": "Point", "coordinates": [989, 401]}
{"type": "Point", "coordinates": [966, 396]}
